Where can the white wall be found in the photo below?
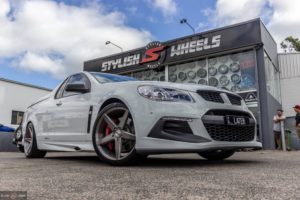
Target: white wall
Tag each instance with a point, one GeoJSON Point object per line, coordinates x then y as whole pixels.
{"type": "Point", "coordinates": [16, 97]}
{"type": "Point", "coordinates": [290, 94]}
{"type": "Point", "coordinates": [289, 64]}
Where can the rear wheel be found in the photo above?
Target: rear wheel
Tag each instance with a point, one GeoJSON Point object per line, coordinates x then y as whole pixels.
{"type": "Point", "coordinates": [30, 144]}
{"type": "Point", "coordinates": [217, 154]}
{"type": "Point", "coordinates": [114, 135]}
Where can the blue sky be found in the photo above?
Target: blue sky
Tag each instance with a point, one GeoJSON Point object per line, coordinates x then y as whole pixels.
{"type": "Point", "coordinates": [43, 41]}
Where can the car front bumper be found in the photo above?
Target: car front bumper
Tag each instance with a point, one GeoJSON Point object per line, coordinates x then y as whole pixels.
{"type": "Point", "coordinates": [191, 127]}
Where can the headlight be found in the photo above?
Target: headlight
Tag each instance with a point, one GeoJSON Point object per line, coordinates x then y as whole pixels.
{"type": "Point", "coordinates": [164, 94]}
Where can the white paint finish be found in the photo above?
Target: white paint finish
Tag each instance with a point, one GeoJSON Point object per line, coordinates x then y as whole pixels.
{"type": "Point", "coordinates": [16, 97]}
{"type": "Point", "coordinates": [68, 133]}
{"type": "Point", "coordinates": [289, 65]}
{"type": "Point", "coordinates": [290, 92]}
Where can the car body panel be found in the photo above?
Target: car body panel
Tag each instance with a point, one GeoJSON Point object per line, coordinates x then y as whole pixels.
{"type": "Point", "coordinates": [65, 127]}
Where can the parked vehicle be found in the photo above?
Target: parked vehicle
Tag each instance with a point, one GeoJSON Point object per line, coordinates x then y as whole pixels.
{"type": "Point", "coordinates": [17, 140]}
{"type": "Point", "coordinates": [123, 119]}
{"type": "Point", "coordinates": [6, 128]}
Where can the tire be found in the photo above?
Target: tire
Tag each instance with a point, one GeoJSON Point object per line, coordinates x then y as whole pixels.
{"type": "Point", "coordinates": [21, 149]}
{"type": "Point", "coordinates": [216, 155]}
{"type": "Point", "coordinates": [30, 144]}
{"type": "Point", "coordinates": [114, 135]}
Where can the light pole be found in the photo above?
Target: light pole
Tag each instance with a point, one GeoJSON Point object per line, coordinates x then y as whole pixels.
{"type": "Point", "coordinates": [184, 21]}
{"type": "Point", "coordinates": [109, 42]}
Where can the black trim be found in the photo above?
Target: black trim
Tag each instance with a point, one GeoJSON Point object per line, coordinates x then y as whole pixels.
{"type": "Point", "coordinates": [173, 151]}
{"type": "Point", "coordinates": [185, 134]}
{"type": "Point", "coordinates": [89, 119]}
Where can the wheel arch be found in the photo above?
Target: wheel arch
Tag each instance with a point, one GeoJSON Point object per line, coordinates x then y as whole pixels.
{"type": "Point", "coordinates": [113, 100]}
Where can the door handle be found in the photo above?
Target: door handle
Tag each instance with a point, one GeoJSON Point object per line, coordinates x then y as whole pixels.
{"type": "Point", "coordinates": [59, 103]}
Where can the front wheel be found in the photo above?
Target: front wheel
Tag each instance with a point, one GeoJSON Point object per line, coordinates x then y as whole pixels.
{"type": "Point", "coordinates": [216, 155]}
{"type": "Point", "coordinates": [114, 135]}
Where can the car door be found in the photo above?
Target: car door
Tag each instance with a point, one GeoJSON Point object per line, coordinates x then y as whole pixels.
{"type": "Point", "coordinates": [70, 112]}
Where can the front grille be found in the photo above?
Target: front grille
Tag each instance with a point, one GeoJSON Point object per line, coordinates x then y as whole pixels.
{"type": "Point", "coordinates": [228, 112]}
{"type": "Point", "coordinates": [228, 133]}
{"type": "Point", "coordinates": [234, 100]}
{"type": "Point", "coordinates": [211, 96]}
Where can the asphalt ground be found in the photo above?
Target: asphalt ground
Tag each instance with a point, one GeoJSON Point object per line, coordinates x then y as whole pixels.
{"type": "Point", "coordinates": [6, 144]}
{"type": "Point", "coordinates": [246, 175]}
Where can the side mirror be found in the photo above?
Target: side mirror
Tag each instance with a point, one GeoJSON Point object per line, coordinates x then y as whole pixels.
{"type": "Point", "coordinates": [77, 87]}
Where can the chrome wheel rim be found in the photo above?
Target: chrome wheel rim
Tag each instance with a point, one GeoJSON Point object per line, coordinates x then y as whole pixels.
{"type": "Point", "coordinates": [28, 140]}
{"type": "Point", "coordinates": [115, 137]}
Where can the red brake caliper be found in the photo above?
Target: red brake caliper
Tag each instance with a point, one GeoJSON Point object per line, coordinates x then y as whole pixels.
{"type": "Point", "coordinates": [110, 144]}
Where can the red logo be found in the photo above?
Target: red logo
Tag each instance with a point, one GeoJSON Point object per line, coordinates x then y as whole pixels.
{"type": "Point", "coordinates": [154, 55]}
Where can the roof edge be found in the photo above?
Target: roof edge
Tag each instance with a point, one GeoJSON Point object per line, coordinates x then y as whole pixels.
{"type": "Point", "coordinates": [25, 84]}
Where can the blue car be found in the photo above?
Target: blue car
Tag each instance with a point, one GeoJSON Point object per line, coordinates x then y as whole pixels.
{"type": "Point", "coordinates": [6, 128]}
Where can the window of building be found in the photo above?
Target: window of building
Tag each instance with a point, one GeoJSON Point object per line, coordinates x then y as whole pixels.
{"type": "Point", "coordinates": [235, 72]}
{"type": "Point", "coordinates": [150, 75]}
{"type": "Point", "coordinates": [16, 117]}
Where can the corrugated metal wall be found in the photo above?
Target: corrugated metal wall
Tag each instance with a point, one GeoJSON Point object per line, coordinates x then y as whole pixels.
{"type": "Point", "coordinates": [289, 65]}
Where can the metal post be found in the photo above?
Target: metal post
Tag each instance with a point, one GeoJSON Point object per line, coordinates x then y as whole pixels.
{"type": "Point", "coordinates": [282, 136]}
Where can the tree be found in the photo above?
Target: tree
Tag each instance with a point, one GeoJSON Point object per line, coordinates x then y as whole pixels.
{"type": "Point", "coordinates": [290, 44]}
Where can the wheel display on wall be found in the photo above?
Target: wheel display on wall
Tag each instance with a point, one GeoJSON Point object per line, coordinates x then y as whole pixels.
{"type": "Point", "coordinates": [172, 69]}
{"type": "Point", "coordinates": [162, 78]}
{"type": "Point", "coordinates": [190, 65]}
{"type": "Point", "coordinates": [235, 88]}
{"type": "Point", "coordinates": [213, 82]}
{"type": "Point", "coordinates": [212, 61]}
{"type": "Point", "coordinates": [173, 77]}
{"type": "Point", "coordinates": [202, 82]}
{"type": "Point", "coordinates": [201, 73]}
{"type": "Point", "coordinates": [223, 80]}
{"type": "Point", "coordinates": [234, 57]}
{"type": "Point", "coordinates": [202, 63]}
{"type": "Point", "coordinates": [182, 76]}
{"type": "Point", "coordinates": [139, 75]}
{"type": "Point", "coordinates": [223, 69]}
{"type": "Point", "coordinates": [235, 78]}
{"type": "Point", "coordinates": [155, 72]}
{"type": "Point", "coordinates": [234, 67]}
{"type": "Point", "coordinates": [223, 59]}
{"type": "Point", "coordinates": [191, 74]}
{"type": "Point", "coordinates": [147, 73]}
{"type": "Point", "coordinates": [212, 71]}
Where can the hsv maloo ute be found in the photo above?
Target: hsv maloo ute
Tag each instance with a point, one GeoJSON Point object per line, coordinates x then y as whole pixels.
{"type": "Point", "coordinates": [123, 119]}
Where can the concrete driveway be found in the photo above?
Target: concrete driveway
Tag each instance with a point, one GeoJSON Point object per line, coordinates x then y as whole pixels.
{"type": "Point", "coordinates": [247, 175]}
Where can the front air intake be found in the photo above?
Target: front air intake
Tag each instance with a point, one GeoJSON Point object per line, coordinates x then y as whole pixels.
{"type": "Point", "coordinates": [211, 96]}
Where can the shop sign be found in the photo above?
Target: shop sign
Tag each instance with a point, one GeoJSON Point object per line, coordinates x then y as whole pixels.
{"type": "Point", "coordinates": [157, 54]}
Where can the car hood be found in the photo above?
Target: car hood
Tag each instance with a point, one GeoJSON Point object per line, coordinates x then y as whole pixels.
{"type": "Point", "coordinates": [182, 86]}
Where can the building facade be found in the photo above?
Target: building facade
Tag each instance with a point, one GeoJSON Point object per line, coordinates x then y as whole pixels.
{"type": "Point", "coordinates": [241, 58]}
{"type": "Point", "coordinates": [15, 97]}
{"type": "Point", "coordinates": [289, 64]}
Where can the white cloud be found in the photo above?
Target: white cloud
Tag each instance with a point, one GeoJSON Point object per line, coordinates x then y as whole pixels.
{"type": "Point", "coordinates": [282, 18]}
{"type": "Point", "coordinates": [167, 7]}
{"type": "Point", "coordinates": [41, 63]}
{"type": "Point", "coordinates": [234, 11]}
{"type": "Point", "coordinates": [285, 19]}
{"type": "Point", "coordinates": [56, 38]}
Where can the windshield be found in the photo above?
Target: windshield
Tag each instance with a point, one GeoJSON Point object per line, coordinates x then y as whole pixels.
{"type": "Point", "coordinates": [108, 78]}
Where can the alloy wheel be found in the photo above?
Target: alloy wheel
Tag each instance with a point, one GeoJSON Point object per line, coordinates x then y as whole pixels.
{"type": "Point", "coordinates": [115, 137]}
{"type": "Point", "coordinates": [28, 140]}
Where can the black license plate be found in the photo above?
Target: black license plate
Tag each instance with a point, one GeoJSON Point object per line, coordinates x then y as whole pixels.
{"type": "Point", "coordinates": [236, 120]}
